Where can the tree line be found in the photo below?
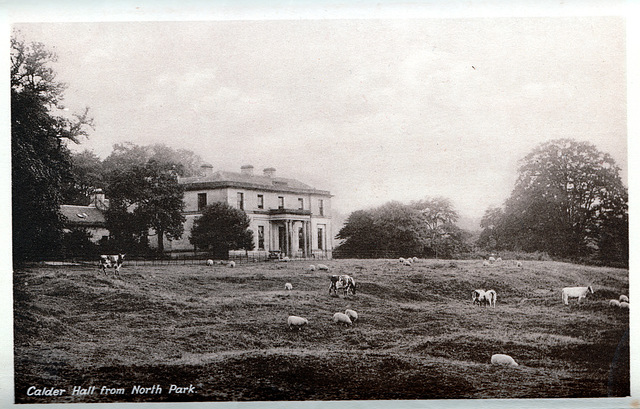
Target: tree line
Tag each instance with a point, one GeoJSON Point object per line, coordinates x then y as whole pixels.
{"type": "Point", "coordinates": [568, 202]}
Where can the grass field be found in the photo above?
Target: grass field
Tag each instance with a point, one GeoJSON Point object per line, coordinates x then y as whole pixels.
{"type": "Point", "coordinates": [223, 331]}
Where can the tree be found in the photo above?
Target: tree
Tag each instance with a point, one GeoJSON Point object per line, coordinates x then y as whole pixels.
{"type": "Point", "coordinates": [87, 176]}
{"type": "Point", "coordinates": [436, 213]}
{"type": "Point", "coordinates": [568, 201]}
{"type": "Point", "coordinates": [143, 198]}
{"type": "Point", "coordinates": [388, 230]}
{"type": "Point", "coordinates": [183, 162]}
{"type": "Point", "coordinates": [491, 224]}
{"type": "Point", "coordinates": [222, 228]}
{"type": "Point", "coordinates": [40, 160]}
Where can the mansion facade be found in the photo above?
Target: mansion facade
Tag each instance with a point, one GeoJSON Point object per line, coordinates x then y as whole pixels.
{"type": "Point", "coordinates": [287, 217]}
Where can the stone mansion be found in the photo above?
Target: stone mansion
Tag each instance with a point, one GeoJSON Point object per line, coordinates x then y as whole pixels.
{"type": "Point", "coordinates": [287, 216]}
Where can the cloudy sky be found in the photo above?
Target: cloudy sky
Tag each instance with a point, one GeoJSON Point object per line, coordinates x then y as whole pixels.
{"type": "Point", "coordinates": [372, 109]}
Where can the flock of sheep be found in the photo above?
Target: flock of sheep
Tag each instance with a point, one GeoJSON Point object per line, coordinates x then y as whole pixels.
{"type": "Point", "coordinates": [479, 297]}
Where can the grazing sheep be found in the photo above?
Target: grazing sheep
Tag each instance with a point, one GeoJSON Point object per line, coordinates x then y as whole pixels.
{"type": "Point", "coordinates": [575, 292]}
{"type": "Point", "coordinates": [499, 259]}
{"type": "Point", "coordinates": [322, 267]}
{"type": "Point", "coordinates": [518, 264]}
{"type": "Point", "coordinates": [297, 322]}
{"type": "Point", "coordinates": [502, 359]}
{"type": "Point", "coordinates": [478, 297]}
{"type": "Point", "coordinates": [288, 287]}
{"type": "Point", "coordinates": [491, 297]}
{"type": "Point", "coordinates": [340, 318]}
{"type": "Point", "coordinates": [351, 314]}
{"type": "Point", "coordinates": [232, 264]}
{"type": "Point", "coordinates": [407, 263]}
{"type": "Point", "coordinates": [312, 267]}
{"type": "Point", "coordinates": [485, 263]}
{"type": "Point", "coordinates": [285, 259]}
{"type": "Point", "coordinates": [624, 305]}
{"type": "Point", "coordinates": [415, 259]}
{"type": "Point", "coordinates": [614, 303]}
{"type": "Point", "coordinates": [492, 259]}
{"type": "Point", "coordinates": [209, 262]}
{"type": "Point", "coordinates": [402, 259]}
{"type": "Point", "coordinates": [623, 298]}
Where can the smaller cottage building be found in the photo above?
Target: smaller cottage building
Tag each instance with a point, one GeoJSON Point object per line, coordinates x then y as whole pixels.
{"type": "Point", "coordinates": [90, 218]}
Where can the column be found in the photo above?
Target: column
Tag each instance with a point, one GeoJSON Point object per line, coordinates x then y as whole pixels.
{"type": "Point", "coordinates": [305, 252]}
{"type": "Point", "coordinates": [287, 233]}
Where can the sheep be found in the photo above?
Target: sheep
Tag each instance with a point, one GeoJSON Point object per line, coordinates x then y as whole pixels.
{"type": "Point", "coordinates": [407, 263]}
{"type": "Point", "coordinates": [614, 303]}
{"type": "Point", "coordinates": [575, 292]}
{"type": "Point", "coordinates": [209, 262]}
{"type": "Point", "coordinates": [415, 259]}
{"type": "Point", "coordinates": [485, 263]}
{"type": "Point", "coordinates": [288, 287]}
{"type": "Point", "coordinates": [518, 264]}
{"type": "Point", "coordinates": [623, 298]}
{"type": "Point", "coordinates": [232, 264]}
{"type": "Point", "coordinates": [491, 296]}
{"type": "Point", "coordinates": [499, 259]}
{"type": "Point", "coordinates": [296, 322]}
{"type": "Point", "coordinates": [285, 259]}
{"type": "Point", "coordinates": [402, 259]}
{"type": "Point", "coordinates": [492, 259]}
{"type": "Point", "coordinates": [340, 318]}
{"type": "Point", "coordinates": [351, 314]}
{"type": "Point", "coordinates": [312, 267]}
{"type": "Point", "coordinates": [322, 267]}
{"type": "Point", "coordinates": [502, 359]}
{"type": "Point", "coordinates": [624, 305]}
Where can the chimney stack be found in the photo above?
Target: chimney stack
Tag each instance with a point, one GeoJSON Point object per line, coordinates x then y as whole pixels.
{"type": "Point", "coordinates": [270, 172]}
{"type": "Point", "coordinates": [206, 169]}
{"type": "Point", "coordinates": [247, 170]}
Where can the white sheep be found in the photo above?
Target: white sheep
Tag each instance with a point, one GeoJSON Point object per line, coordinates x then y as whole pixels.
{"type": "Point", "coordinates": [312, 267]}
{"type": "Point", "coordinates": [402, 259]}
{"type": "Point", "coordinates": [575, 292]}
{"type": "Point", "coordinates": [502, 359]}
{"type": "Point", "coordinates": [624, 305]}
{"type": "Point", "coordinates": [340, 318]}
{"type": "Point", "coordinates": [614, 303]}
{"type": "Point", "coordinates": [415, 259]}
{"type": "Point", "coordinates": [209, 262]}
{"type": "Point", "coordinates": [492, 259]}
{"type": "Point", "coordinates": [322, 267]}
{"type": "Point", "coordinates": [485, 263]}
{"type": "Point", "coordinates": [518, 264]}
{"type": "Point", "coordinates": [499, 259]}
{"type": "Point", "coordinates": [232, 264]}
{"type": "Point", "coordinates": [407, 263]}
{"type": "Point", "coordinates": [351, 314]}
{"type": "Point", "coordinates": [297, 322]}
{"type": "Point", "coordinates": [288, 287]}
{"type": "Point", "coordinates": [623, 298]}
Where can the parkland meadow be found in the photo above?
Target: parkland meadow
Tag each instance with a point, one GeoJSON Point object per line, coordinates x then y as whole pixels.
{"type": "Point", "coordinates": [214, 333]}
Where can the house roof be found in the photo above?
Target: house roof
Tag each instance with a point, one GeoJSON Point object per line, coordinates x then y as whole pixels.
{"type": "Point", "coordinates": [83, 215]}
{"type": "Point", "coordinates": [223, 179]}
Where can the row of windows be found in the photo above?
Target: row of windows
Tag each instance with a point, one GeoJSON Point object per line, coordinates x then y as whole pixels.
{"type": "Point", "coordinates": [300, 237]}
{"type": "Point", "coordinates": [202, 202]}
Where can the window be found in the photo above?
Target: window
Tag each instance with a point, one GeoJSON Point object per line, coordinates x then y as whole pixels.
{"type": "Point", "coordinates": [260, 201]}
{"type": "Point", "coordinates": [280, 202]}
{"type": "Point", "coordinates": [320, 238]}
{"type": "Point", "coordinates": [300, 203]}
{"type": "Point", "coordinates": [260, 237]}
{"type": "Point", "coordinates": [240, 200]}
{"type": "Point", "coordinates": [202, 201]}
{"type": "Point", "coordinates": [321, 207]}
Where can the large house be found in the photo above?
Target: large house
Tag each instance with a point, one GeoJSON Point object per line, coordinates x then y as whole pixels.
{"type": "Point", "coordinates": [287, 217]}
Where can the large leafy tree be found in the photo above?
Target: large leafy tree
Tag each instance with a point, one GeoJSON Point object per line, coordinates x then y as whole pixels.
{"type": "Point", "coordinates": [439, 218]}
{"type": "Point", "coordinates": [491, 223]}
{"type": "Point", "coordinates": [40, 160]}
{"type": "Point", "coordinates": [126, 155]}
{"type": "Point", "coordinates": [388, 230]}
{"type": "Point", "coordinates": [144, 197]}
{"type": "Point", "coordinates": [568, 201]}
{"type": "Point", "coordinates": [87, 175]}
{"type": "Point", "coordinates": [222, 228]}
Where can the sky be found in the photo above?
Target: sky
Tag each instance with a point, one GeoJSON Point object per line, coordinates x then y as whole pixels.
{"type": "Point", "coordinates": [371, 109]}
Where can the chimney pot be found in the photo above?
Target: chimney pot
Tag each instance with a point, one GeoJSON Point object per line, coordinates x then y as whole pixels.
{"type": "Point", "coordinates": [246, 170]}
{"type": "Point", "coordinates": [270, 172]}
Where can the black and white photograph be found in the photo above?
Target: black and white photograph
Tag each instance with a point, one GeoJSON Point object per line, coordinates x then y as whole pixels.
{"type": "Point", "coordinates": [391, 204]}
